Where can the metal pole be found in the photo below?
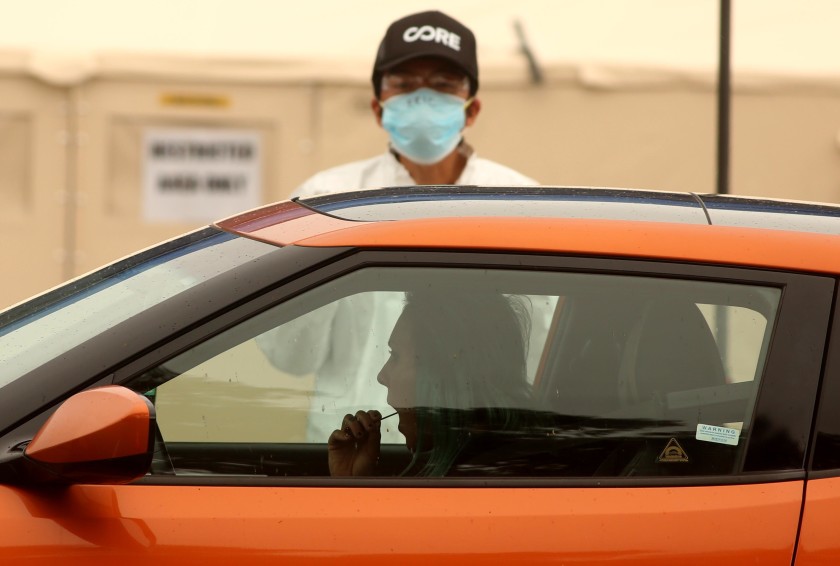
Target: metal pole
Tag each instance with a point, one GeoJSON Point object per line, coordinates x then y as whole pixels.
{"type": "Point", "coordinates": [724, 99]}
{"type": "Point", "coordinates": [724, 96]}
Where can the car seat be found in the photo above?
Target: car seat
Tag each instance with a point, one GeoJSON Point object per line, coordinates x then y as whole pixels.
{"type": "Point", "coordinates": [669, 350]}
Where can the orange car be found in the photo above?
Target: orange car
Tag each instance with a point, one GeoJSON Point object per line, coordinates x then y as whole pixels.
{"type": "Point", "coordinates": [457, 375]}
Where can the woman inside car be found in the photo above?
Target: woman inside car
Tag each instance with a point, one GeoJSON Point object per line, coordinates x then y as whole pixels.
{"type": "Point", "coordinates": [456, 377]}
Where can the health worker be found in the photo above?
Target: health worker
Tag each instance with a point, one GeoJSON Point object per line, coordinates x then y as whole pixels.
{"type": "Point", "coordinates": [425, 81]}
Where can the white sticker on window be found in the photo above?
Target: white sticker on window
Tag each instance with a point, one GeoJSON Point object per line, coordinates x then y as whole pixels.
{"type": "Point", "coordinates": [718, 434]}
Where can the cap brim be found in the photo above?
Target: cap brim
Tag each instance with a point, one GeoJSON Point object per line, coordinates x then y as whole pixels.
{"type": "Point", "coordinates": [431, 53]}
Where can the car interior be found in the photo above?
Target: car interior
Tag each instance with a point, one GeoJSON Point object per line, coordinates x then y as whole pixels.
{"type": "Point", "coordinates": [654, 373]}
{"type": "Point", "coordinates": [627, 374]}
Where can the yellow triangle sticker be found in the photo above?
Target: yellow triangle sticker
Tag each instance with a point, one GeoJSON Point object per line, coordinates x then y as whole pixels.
{"type": "Point", "coordinates": [673, 452]}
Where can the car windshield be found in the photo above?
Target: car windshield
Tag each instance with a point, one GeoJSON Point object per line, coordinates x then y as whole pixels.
{"type": "Point", "coordinates": [43, 328]}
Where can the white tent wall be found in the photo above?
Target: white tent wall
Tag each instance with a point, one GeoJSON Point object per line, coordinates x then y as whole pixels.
{"type": "Point", "coordinates": [33, 187]}
{"type": "Point", "coordinates": [115, 114]}
{"type": "Point", "coordinates": [571, 134]}
{"type": "Point", "coordinates": [628, 100]}
{"type": "Point", "coordinates": [785, 143]}
{"type": "Point", "coordinates": [602, 126]}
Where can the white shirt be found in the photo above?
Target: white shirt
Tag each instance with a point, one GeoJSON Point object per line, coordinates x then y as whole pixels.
{"type": "Point", "coordinates": [345, 343]}
{"type": "Point", "coordinates": [386, 171]}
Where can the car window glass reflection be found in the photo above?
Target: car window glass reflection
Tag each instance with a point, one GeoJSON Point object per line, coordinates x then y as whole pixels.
{"type": "Point", "coordinates": [616, 376]}
{"type": "Point", "coordinates": [90, 308]}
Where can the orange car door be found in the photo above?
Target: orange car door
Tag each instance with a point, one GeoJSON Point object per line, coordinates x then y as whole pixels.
{"type": "Point", "coordinates": [733, 524]}
{"type": "Point", "coordinates": [818, 541]}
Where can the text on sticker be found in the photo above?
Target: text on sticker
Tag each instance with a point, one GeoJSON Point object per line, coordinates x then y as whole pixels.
{"type": "Point", "coordinates": [718, 434]}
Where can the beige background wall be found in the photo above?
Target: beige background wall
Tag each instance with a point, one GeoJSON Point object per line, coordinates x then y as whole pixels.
{"type": "Point", "coordinates": [71, 157]}
{"type": "Point", "coordinates": [786, 144]}
{"type": "Point", "coordinates": [113, 116]}
{"type": "Point", "coordinates": [34, 248]}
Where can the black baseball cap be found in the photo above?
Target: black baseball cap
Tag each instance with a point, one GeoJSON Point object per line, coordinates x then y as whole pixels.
{"type": "Point", "coordinates": [427, 34]}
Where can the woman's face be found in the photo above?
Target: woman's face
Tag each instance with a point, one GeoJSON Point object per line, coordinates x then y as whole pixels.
{"type": "Point", "coordinates": [399, 374]}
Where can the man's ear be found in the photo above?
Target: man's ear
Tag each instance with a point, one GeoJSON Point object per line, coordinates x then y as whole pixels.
{"type": "Point", "coordinates": [377, 110]}
{"type": "Point", "coordinates": [472, 112]}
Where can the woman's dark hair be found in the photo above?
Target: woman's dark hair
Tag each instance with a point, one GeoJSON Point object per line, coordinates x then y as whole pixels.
{"type": "Point", "coordinates": [471, 350]}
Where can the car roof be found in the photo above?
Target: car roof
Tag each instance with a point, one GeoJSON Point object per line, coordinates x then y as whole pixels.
{"type": "Point", "coordinates": [602, 221]}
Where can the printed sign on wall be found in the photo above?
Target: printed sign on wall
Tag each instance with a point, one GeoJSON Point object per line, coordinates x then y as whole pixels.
{"type": "Point", "coordinates": [199, 174]}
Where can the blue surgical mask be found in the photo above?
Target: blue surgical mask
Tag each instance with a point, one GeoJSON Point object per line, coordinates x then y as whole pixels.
{"type": "Point", "coordinates": [424, 125]}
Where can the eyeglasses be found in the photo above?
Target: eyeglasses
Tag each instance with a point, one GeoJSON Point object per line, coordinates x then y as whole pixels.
{"type": "Point", "coordinates": [449, 83]}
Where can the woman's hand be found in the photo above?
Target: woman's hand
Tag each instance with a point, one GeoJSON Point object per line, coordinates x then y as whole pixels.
{"type": "Point", "coordinates": [354, 449]}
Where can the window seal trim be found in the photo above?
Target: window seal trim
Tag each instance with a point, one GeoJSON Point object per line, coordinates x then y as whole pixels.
{"type": "Point", "coordinates": [489, 482]}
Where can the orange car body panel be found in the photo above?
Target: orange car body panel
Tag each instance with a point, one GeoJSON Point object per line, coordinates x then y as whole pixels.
{"type": "Point", "coordinates": [159, 525]}
{"type": "Point", "coordinates": [660, 240]}
{"type": "Point", "coordinates": [692, 242]}
{"type": "Point", "coordinates": [110, 412]}
{"type": "Point", "coordinates": [818, 539]}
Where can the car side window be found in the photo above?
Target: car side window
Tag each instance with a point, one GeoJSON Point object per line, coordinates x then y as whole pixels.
{"type": "Point", "coordinates": [476, 373]}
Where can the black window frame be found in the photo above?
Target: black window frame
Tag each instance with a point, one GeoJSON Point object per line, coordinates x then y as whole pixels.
{"type": "Point", "coordinates": [784, 408]}
{"type": "Point", "coordinates": [824, 458]}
